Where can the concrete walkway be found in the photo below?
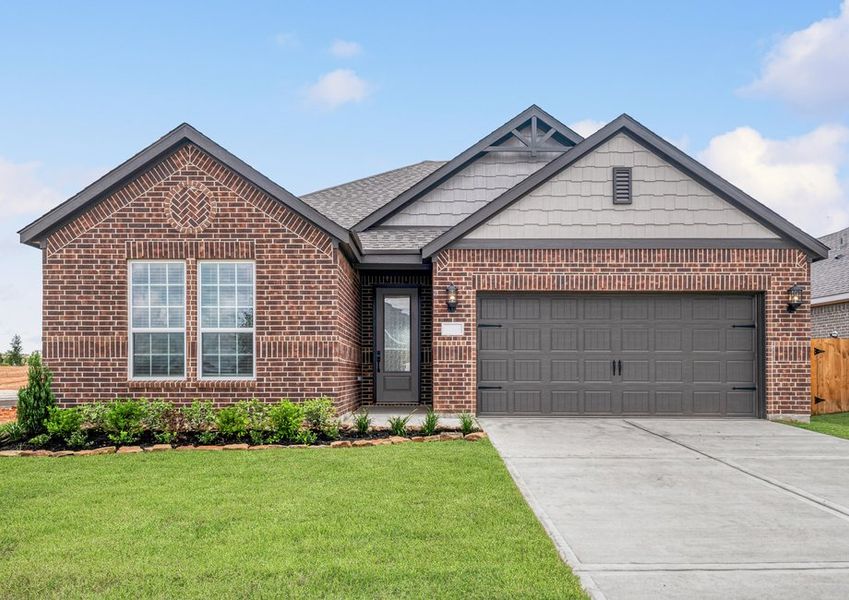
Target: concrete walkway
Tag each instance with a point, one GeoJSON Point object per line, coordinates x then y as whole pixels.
{"type": "Point", "coordinates": [650, 508]}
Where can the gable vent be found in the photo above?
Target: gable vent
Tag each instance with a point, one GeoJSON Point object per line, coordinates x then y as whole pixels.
{"type": "Point", "coordinates": [621, 185]}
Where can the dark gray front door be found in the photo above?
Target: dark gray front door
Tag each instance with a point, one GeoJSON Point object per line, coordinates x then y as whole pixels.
{"type": "Point", "coordinates": [397, 345]}
{"type": "Point", "coordinates": [618, 355]}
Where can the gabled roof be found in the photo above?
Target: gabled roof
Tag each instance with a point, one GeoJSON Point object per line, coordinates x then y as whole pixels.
{"type": "Point", "coordinates": [627, 125]}
{"type": "Point", "coordinates": [830, 277]}
{"type": "Point", "coordinates": [348, 203]}
{"type": "Point", "coordinates": [564, 134]}
{"type": "Point", "coordinates": [33, 233]}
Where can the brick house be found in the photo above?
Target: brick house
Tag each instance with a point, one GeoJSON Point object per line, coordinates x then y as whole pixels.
{"type": "Point", "coordinates": [535, 273]}
{"type": "Point", "coordinates": [830, 288]}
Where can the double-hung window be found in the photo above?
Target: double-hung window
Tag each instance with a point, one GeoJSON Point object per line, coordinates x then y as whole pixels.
{"type": "Point", "coordinates": [157, 320]}
{"type": "Point", "coordinates": [226, 319]}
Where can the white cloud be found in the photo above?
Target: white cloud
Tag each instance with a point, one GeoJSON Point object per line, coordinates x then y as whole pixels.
{"type": "Point", "coordinates": [22, 191]}
{"type": "Point", "coordinates": [287, 40]}
{"type": "Point", "coordinates": [587, 127]}
{"type": "Point", "coordinates": [343, 49]}
{"type": "Point", "coordinates": [808, 68]}
{"type": "Point", "coordinates": [337, 88]}
{"type": "Point", "coordinates": [797, 177]}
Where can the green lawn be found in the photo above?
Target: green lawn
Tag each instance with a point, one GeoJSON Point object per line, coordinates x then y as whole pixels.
{"type": "Point", "coordinates": [836, 424]}
{"type": "Point", "coordinates": [413, 520]}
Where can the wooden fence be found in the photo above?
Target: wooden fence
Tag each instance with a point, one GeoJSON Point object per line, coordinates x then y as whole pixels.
{"type": "Point", "coordinates": [829, 376]}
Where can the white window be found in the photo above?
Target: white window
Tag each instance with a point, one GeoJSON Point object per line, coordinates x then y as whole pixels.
{"type": "Point", "coordinates": [226, 319]}
{"type": "Point", "coordinates": [157, 320]}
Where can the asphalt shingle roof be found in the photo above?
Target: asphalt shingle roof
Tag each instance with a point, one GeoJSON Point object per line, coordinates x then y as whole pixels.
{"type": "Point", "coordinates": [399, 238]}
{"type": "Point", "coordinates": [830, 276]}
{"type": "Point", "coordinates": [347, 204]}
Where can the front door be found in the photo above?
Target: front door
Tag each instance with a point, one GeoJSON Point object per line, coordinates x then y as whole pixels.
{"type": "Point", "coordinates": [396, 357]}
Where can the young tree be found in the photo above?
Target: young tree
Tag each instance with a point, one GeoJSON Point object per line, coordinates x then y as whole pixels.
{"type": "Point", "coordinates": [36, 399]}
{"type": "Point", "coordinates": [15, 356]}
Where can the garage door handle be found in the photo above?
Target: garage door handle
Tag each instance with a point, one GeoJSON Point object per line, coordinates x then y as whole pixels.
{"type": "Point", "coordinates": [489, 387]}
{"type": "Point", "coordinates": [747, 326]}
{"type": "Point", "coordinates": [746, 389]}
{"type": "Point", "coordinates": [613, 367]}
{"type": "Point", "coordinates": [619, 364]}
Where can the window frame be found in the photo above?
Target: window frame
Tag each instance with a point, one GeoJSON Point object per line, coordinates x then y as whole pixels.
{"type": "Point", "coordinates": [131, 330]}
{"type": "Point", "coordinates": [201, 330]}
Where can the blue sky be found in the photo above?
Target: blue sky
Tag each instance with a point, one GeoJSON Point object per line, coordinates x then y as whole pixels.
{"type": "Point", "coordinates": [314, 95]}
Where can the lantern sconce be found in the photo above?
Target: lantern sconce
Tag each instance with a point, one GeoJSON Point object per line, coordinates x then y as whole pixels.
{"type": "Point", "coordinates": [451, 301]}
{"type": "Point", "coordinates": [794, 298]}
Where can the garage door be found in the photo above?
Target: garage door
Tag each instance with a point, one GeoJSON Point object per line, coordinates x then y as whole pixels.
{"type": "Point", "coordinates": [611, 355]}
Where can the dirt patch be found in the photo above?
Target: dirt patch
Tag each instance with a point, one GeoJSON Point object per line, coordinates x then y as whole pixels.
{"type": "Point", "coordinates": [13, 378]}
{"type": "Point", "coordinates": [7, 415]}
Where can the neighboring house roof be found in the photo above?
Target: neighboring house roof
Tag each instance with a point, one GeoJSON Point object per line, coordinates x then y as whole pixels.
{"type": "Point", "coordinates": [33, 233]}
{"type": "Point", "coordinates": [661, 147]}
{"type": "Point", "coordinates": [351, 202]}
{"type": "Point", "coordinates": [830, 277]}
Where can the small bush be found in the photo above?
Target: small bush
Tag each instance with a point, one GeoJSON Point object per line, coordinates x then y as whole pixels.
{"type": "Point", "coordinates": [430, 423]}
{"type": "Point", "coordinates": [256, 413]}
{"type": "Point", "coordinates": [36, 399]}
{"type": "Point", "coordinates": [232, 422]}
{"type": "Point", "coordinates": [11, 433]}
{"type": "Point", "coordinates": [285, 419]}
{"type": "Point", "coordinates": [306, 436]}
{"type": "Point", "coordinates": [163, 419]}
{"type": "Point", "coordinates": [199, 416]}
{"type": "Point", "coordinates": [39, 441]}
{"type": "Point", "coordinates": [362, 421]}
{"type": "Point", "coordinates": [467, 423]}
{"type": "Point", "coordinates": [123, 422]}
{"type": "Point", "coordinates": [93, 414]}
{"type": "Point", "coordinates": [207, 437]}
{"type": "Point", "coordinates": [78, 439]}
{"type": "Point", "coordinates": [64, 423]}
{"type": "Point", "coordinates": [320, 416]}
{"type": "Point", "coordinates": [398, 425]}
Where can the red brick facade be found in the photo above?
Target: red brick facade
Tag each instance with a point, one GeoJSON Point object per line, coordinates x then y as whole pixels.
{"type": "Point", "coordinates": [190, 207]}
{"type": "Point", "coordinates": [770, 271]}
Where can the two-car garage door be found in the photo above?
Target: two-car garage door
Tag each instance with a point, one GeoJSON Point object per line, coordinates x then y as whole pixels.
{"type": "Point", "coordinates": [623, 354]}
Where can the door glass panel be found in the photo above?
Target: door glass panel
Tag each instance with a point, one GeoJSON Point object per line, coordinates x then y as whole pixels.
{"type": "Point", "coordinates": [396, 334]}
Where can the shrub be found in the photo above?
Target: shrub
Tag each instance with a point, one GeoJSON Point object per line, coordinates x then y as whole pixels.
{"type": "Point", "coordinates": [306, 436]}
{"type": "Point", "coordinates": [256, 413]}
{"type": "Point", "coordinates": [207, 437]}
{"type": "Point", "coordinates": [232, 422]}
{"type": "Point", "coordinates": [93, 414]}
{"type": "Point", "coordinates": [64, 423]}
{"type": "Point", "coordinates": [362, 421]}
{"type": "Point", "coordinates": [39, 441]}
{"type": "Point", "coordinates": [36, 399]}
{"type": "Point", "coordinates": [78, 439]}
{"type": "Point", "coordinates": [320, 416]}
{"type": "Point", "coordinates": [123, 422]}
{"type": "Point", "coordinates": [467, 423]}
{"type": "Point", "coordinates": [430, 423]}
{"type": "Point", "coordinates": [11, 433]}
{"type": "Point", "coordinates": [285, 419]}
{"type": "Point", "coordinates": [398, 425]}
{"type": "Point", "coordinates": [162, 418]}
{"type": "Point", "coordinates": [200, 416]}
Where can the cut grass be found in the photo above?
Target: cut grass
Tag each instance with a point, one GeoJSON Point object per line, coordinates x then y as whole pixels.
{"type": "Point", "coordinates": [414, 520]}
{"type": "Point", "coordinates": [836, 424]}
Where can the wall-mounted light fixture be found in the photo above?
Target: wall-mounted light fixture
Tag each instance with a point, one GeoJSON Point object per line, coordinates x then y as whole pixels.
{"type": "Point", "coordinates": [451, 301]}
{"type": "Point", "coordinates": [794, 298]}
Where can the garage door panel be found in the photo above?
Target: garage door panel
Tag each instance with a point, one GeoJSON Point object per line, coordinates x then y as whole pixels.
{"type": "Point", "coordinates": [617, 354]}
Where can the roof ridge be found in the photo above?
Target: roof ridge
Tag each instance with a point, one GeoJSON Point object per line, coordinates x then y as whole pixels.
{"type": "Point", "coordinates": [339, 185]}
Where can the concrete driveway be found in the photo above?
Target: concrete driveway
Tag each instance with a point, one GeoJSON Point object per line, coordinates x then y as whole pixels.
{"type": "Point", "coordinates": [652, 508]}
